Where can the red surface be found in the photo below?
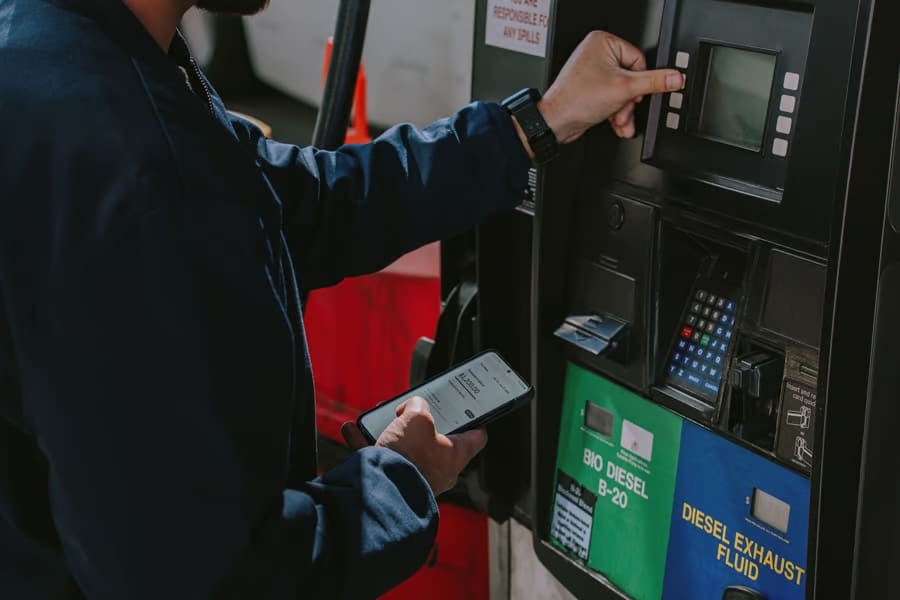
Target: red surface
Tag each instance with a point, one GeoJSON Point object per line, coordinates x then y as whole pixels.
{"type": "Point", "coordinates": [458, 566]}
{"type": "Point", "coordinates": [361, 335]}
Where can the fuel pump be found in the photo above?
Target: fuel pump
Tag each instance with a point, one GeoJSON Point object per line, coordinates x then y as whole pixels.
{"type": "Point", "coordinates": [713, 303]}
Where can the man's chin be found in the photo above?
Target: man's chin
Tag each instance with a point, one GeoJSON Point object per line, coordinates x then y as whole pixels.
{"type": "Point", "coordinates": [233, 7]}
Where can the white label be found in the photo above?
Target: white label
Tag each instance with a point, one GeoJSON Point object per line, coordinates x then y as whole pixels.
{"type": "Point", "coordinates": [518, 25]}
{"type": "Point", "coordinates": [637, 439]}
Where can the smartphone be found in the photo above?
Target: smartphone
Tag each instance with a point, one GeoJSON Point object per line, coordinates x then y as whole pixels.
{"type": "Point", "coordinates": [465, 397]}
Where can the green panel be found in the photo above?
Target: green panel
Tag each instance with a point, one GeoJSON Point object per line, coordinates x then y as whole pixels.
{"type": "Point", "coordinates": [616, 467]}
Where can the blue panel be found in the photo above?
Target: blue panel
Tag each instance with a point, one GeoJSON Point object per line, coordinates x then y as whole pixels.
{"type": "Point", "coordinates": [715, 540]}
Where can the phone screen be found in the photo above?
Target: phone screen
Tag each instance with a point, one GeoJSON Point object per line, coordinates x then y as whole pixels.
{"type": "Point", "coordinates": [459, 396]}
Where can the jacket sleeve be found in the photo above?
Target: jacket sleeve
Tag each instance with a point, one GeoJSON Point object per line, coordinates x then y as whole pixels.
{"type": "Point", "coordinates": [357, 209]}
{"type": "Point", "coordinates": [167, 442]}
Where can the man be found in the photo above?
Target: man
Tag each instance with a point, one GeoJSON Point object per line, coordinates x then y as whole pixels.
{"type": "Point", "coordinates": [156, 412]}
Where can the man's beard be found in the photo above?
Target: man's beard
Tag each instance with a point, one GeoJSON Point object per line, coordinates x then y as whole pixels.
{"type": "Point", "coordinates": [234, 7]}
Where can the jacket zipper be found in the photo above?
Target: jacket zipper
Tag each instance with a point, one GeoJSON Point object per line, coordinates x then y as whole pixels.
{"type": "Point", "coordinates": [206, 94]}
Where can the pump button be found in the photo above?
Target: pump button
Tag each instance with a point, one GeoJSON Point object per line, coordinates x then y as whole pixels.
{"type": "Point", "coordinates": [682, 60]}
{"type": "Point", "coordinates": [792, 81]}
{"type": "Point", "coordinates": [676, 100]}
{"type": "Point", "coordinates": [711, 387]}
{"type": "Point", "coordinates": [780, 147]}
{"type": "Point", "coordinates": [788, 103]}
{"type": "Point", "coordinates": [673, 120]}
{"type": "Point", "coordinates": [784, 125]}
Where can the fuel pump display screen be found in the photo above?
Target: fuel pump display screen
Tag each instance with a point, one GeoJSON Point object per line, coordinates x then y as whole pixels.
{"type": "Point", "coordinates": [736, 101]}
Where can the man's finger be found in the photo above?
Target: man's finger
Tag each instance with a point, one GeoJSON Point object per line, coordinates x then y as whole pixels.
{"type": "Point", "coordinates": [624, 116]}
{"type": "Point", "coordinates": [416, 404]}
{"type": "Point", "coordinates": [629, 56]}
{"type": "Point", "coordinates": [467, 445]}
{"type": "Point", "coordinates": [353, 436]}
{"type": "Point", "coordinates": [644, 83]}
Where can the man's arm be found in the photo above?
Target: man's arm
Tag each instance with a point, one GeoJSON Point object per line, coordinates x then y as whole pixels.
{"type": "Point", "coordinates": [157, 383]}
{"type": "Point", "coordinates": [356, 209]}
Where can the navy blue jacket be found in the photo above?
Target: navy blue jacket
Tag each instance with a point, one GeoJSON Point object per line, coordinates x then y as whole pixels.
{"type": "Point", "coordinates": [157, 429]}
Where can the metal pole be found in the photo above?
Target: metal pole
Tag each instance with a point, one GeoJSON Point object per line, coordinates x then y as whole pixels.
{"type": "Point", "coordinates": [337, 100]}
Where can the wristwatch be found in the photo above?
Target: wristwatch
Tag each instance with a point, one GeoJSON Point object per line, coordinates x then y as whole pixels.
{"type": "Point", "coordinates": [523, 106]}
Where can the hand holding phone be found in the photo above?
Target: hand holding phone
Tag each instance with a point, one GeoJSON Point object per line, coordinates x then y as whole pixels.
{"type": "Point", "coordinates": [468, 396]}
{"type": "Point", "coordinates": [441, 442]}
{"type": "Point", "coordinates": [412, 434]}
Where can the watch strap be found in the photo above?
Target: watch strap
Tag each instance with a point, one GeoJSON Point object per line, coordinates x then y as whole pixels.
{"type": "Point", "coordinates": [523, 106]}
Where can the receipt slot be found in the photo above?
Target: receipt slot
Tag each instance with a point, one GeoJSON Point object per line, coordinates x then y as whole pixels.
{"type": "Point", "coordinates": [712, 305]}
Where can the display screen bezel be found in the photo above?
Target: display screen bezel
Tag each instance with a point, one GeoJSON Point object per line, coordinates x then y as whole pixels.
{"type": "Point", "coordinates": [784, 30]}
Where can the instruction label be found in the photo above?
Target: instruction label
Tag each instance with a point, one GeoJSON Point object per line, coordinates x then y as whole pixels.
{"type": "Point", "coordinates": [798, 423]}
{"type": "Point", "coordinates": [573, 516]}
{"type": "Point", "coordinates": [518, 25]}
{"type": "Point", "coordinates": [622, 450]}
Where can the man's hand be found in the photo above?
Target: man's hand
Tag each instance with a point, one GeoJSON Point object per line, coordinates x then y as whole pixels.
{"type": "Point", "coordinates": [603, 79]}
{"type": "Point", "coordinates": [440, 458]}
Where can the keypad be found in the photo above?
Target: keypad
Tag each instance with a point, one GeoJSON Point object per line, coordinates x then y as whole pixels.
{"type": "Point", "coordinates": [703, 342]}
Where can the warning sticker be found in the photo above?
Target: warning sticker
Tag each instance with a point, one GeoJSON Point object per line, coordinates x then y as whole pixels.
{"type": "Point", "coordinates": [573, 515]}
{"type": "Point", "coordinates": [518, 25]}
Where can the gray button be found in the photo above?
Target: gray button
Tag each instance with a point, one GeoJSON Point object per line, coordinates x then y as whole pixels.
{"type": "Point", "coordinates": [676, 99]}
{"type": "Point", "coordinates": [780, 147]}
{"type": "Point", "coordinates": [784, 125]}
{"type": "Point", "coordinates": [792, 81]}
{"type": "Point", "coordinates": [788, 103]}
{"type": "Point", "coordinates": [673, 120]}
{"type": "Point", "coordinates": [682, 60]}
